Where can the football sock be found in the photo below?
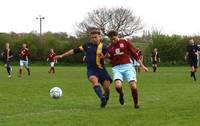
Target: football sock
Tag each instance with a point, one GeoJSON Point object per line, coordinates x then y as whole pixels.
{"type": "Point", "coordinates": [119, 90]}
{"type": "Point", "coordinates": [49, 70]}
{"type": "Point", "coordinates": [194, 76]}
{"type": "Point", "coordinates": [135, 96]}
{"type": "Point", "coordinates": [28, 71]}
{"type": "Point", "coordinates": [20, 72]}
{"type": "Point", "coordinates": [53, 70]}
{"type": "Point", "coordinates": [107, 94]}
{"type": "Point", "coordinates": [98, 91]}
{"type": "Point", "coordinates": [155, 69]}
{"type": "Point", "coordinates": [8, 70]}
{"type": "Point", "coordinates": [191, 74]}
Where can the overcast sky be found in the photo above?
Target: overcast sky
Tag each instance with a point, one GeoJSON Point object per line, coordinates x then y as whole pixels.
{"type": "Point", "coordinates": [170, 16]}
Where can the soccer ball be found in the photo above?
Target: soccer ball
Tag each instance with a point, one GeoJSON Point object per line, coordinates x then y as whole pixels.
{"type": "Point", "coordinates": [56, 92]}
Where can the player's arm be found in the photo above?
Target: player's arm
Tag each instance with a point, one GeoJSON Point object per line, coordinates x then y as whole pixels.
{"type": "Point", "coordinates": [135, 56]}
{"type": "Point", "coordinates": [106, 54]}
{"type": "Point", "coordinates": [11, 56]}
{"type": "Point", "coordinates": [158, 58]}
{"type": "Point", "coordinates": [27, 51]}
{"type": "Point", "coordinates": [152, 58]}
{"type": "Point", "coordinates": [70, 52]}
{"type": "Point", "coordinates": [186, 56]}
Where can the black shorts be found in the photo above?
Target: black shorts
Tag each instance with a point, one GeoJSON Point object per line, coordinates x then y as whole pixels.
{"type": "Point", "coordinates": [193, 63]}
{"type": "Point", "coordinates": [7, 62]}
{"type": "Point", "coordinates": [102, 75]}
{"type": "Point", "coordinates": [154, 62]}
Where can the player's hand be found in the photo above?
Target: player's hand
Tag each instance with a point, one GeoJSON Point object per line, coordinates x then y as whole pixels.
{"type": "Point", "coordinates": [145, 69]}
{"type": "Point", "coordinates": [185, 58]}
{"type": "Point", "coordinates": [101, 56]}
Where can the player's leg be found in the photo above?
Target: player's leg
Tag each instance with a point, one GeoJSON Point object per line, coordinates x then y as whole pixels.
{"type": "Point", "coordinates": [106, 88]}
{"type": "Point", "coordinates": [21, 64]}
{"type": "Point", "coordinates": [118, 87]}
{"type": "Point", "coordinates": [153, 67]}
{"type": "Point", "coordinates": [105, 80]}
{"type": "Point", "coordinates": [156, 66]}
{"type": "Point", "coordinates": [27, 67]}
{"type": "Point", "coordinates": [97, 89]}
{"type": "Point", "coordinates": [134, 92]}
{"type": "Point", "coordinates": [193, 67]}
{"type": "Point", "coordinates": [8, 67]}
{"type": "Point", "coordinates": [130, 75]}
{"type": "Point", "coordinates": [52, 67]}
{"type": "Point", "coordinates": [118, 79]}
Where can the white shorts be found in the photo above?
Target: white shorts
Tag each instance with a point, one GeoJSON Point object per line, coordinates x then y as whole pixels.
{"type": "Point", "coordinates": [52, 64]}
{"type": "Point", "coordinates": [23, 63]}
{"type": "Point", "coordinates": [124, 72]}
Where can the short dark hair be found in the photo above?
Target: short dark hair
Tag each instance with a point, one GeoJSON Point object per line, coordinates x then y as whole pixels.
{"type": "Point", "coordinates": [112, 33]}
{"type": "Point", "coordinates": [95, 31]}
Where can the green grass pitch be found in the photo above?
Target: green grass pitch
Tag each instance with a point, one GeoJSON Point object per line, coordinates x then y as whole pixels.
{"type": "Point", "coordinates": [167, 98]}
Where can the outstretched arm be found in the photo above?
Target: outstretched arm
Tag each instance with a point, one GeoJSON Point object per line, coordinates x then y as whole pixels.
{"type": "Point", "coordinates": [135, 56]}
{"type": "Point", "coordinates": [68, 53]}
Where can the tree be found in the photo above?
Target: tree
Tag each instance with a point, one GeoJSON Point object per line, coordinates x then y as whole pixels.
{"type": "Point", "coordinates": [105, 19]}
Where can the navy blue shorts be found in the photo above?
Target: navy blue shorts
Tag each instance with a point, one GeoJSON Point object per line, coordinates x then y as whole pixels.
{"type": "Point", "coordinates": [7, 62]}
{"type": "Point", "coordinates": [102, 75]}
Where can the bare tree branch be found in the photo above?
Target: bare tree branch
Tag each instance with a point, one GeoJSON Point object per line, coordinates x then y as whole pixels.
{"type": "Point", "coordinates": [119, 19]}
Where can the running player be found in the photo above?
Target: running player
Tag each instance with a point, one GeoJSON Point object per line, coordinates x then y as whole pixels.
{"type": "Point", "coordinates": [155, 59]}
{"type": "Point", "coordinates": [7, 55]}
{"type": "Point", "coordinates": [23, 54]}
{"type": "Point", "coordinates": [96, 70]}
{"type": "Point", "coordinates": [52, 60]}
{"type": "Point", "coordinates": [120, 51]}
{"type": "Point", "coordinates": [191, 55]}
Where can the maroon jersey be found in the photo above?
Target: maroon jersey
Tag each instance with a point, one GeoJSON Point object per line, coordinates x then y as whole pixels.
{"type": "Point", "coordinates": [24, 53]}
{"type": "Point", "coordinates": [120, 52]}
{"type": "Point", "coordinates": [51, 57]}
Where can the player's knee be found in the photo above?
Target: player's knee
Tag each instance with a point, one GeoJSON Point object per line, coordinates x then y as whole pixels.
{"type": "Point", "coordinates": [106, 84]}
{"type": "Point", "coordinates": [118, 83]}
{"type": "Point", "coordinates": [133, 84]}
{"type": "Point", "coordinates": [93, 80]}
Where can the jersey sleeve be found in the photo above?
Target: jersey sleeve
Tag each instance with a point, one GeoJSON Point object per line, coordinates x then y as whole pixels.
{"type": "Point", "coordinates": [81, 48]}
{"type": "Point", "coordinates": [132, 51]}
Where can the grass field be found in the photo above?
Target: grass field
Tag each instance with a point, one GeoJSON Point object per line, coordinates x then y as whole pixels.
{"type": "Point", "coordinates": [167, 98]}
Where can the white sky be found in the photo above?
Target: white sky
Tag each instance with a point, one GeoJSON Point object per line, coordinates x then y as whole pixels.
{"type": "Point", "coordinates": [170, 16]}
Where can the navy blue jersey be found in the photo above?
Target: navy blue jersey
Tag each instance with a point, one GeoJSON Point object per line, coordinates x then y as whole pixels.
{"type": "Point", "coordinates": [92, 53]}
{"type": "Point", "coordinates": [192, 51]}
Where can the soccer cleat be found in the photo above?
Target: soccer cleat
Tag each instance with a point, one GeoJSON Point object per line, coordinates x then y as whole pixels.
{"type": "Point", "coordinates": [136, 106]}
{"type": "Point", "coordinates": [103, 102]}
{"type": "Point", "coordinates": [121, 100]}
{"type": "Point", "coordinates": [9, 76]}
